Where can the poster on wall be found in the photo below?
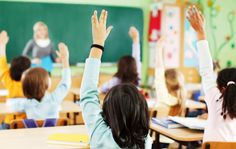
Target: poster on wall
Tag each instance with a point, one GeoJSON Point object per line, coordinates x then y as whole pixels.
{"type": "Point", "coordinates": [154, 32]}
{"type": "Point", "coordinates": [171, 29]}
{"type": "Point", "coordinates": [190, 46]}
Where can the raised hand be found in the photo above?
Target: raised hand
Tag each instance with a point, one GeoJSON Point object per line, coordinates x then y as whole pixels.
{"type": "Point", "coordinates": [63, 54]}
{"type": "Point", "coordinates": [134, 34]}
{"type": "Point", "coordinates": [160, 49]}
{"type": "Point", "coordinates": [4, 38]}
{"type": "Point", "coordinates": [197, 21]}
{"type": "Point", "coordinates": [3, 42]}
{"type": "Point", "coordinates": [99, 30]}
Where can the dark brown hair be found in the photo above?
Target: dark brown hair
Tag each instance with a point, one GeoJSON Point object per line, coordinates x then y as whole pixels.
{"type": "Point", "coordinates": [125, 111]}
{"type": "Point", "coordinates": [18, 66]}
{"type": "Point", "coordinates": [35, 83]}
{"type": "Point", "coordinates": [127, 70]}
{"type": "Point", "coordinates": [228, 92]}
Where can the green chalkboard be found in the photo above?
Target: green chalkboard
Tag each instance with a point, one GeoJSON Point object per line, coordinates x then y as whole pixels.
{"type": "Point", "coordinates": [71, 24]}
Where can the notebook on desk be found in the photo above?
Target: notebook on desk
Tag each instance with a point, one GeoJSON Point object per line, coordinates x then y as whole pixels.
{"type": "Point", "coordinates": [77, 140]}
{"type": "Point", "coordinates": [189, 122]}
{"type": "Point", "coordinates": [166, 122]}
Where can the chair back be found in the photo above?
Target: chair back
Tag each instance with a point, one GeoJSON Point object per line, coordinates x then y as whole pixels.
{"type": "Point", "coordinates": [219, 145]}
{"type": "Point", "coordinates": [30, 123]}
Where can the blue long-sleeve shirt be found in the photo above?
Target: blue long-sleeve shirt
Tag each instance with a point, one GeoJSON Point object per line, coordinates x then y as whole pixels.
{"type": "Point", "coordinates": [100, 134]}
{"type": "Point", "coordinates": [50, 104]}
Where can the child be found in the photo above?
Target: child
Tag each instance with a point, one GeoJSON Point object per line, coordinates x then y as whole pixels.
{"type": "Point", "coordinates": [36, 81]}
{"type": "Point", "coordinates": [129, 67]}
{"type": "Point", "coordinates": [220, 93]}
{"type": "Point", "coordinates": [169, 85]}
{"type": "Point", "coordinates": [123, 122]}
{"type": "Point", "coordinates": [11, 77]}
{"type": "Point", "coordinates": [40, 46]}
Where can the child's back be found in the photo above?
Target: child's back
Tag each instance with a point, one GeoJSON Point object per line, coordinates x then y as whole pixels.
{"type": "Point", "coordinates": [220, 94]}
{"type": "Point", "coordinates": [123, 122]}
{"type": "Point", "coordinates": [39, 104]}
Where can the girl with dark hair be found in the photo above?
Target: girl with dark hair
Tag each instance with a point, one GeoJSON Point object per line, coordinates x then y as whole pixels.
{"type": "Point", "coordinates": [129, 67]}
{"type": "Point", "coordinates": [221, 93]}
{"type": "Point", "coordinates": [123, 122]}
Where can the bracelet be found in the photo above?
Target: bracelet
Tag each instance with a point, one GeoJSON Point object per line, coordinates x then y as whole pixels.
{"type": "Point", "coordinates": [97, 46]}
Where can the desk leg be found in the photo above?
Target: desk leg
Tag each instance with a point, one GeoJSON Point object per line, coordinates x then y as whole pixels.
{"type": "Point", "coordinates": [75, 115]}
{"type": "Point", "coordinates": [180, 146]}
{"type": "Point", "coordinates": [68, 116]}
{"type": "Point", "coordinates": [186, 112]}
{"type": "Point", "coordinates": [156, 143]}
{"type": "Point", "coordinates": [74, 98]}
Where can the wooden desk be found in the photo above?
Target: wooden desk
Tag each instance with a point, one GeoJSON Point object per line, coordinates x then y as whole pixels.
{"type": "Point", "coordinates": [194, 105]}
{"type": "Point", "coordinates": [180, 135]}
{"type": "Point", "coordinates": [163, 109]}
{"type": "Point", "coordinates": [201, 98]}
{"type": "Point", "coordinates": [191, 104]}
{"type": "Point", "coordinates": [36, 138]}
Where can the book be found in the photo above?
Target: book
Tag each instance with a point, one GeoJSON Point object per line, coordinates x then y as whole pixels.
{"type": "Point", "coordinates": [78, 140]}
{"type": "Point", "coordinates": [167, 123]}
{"type": "Point", "coordinates": [46, 63]}
{"type": "Point", "coordinates": [190, 122]}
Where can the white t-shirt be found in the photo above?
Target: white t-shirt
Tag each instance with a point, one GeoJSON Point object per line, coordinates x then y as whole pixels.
{"type": "Point", "coordinates": [218, 128]}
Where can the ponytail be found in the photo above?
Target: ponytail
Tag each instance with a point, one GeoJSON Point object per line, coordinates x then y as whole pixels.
{"type": "Point", "coordinates": [229, 102]}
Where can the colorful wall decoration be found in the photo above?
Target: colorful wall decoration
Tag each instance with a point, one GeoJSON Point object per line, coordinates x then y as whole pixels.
{"type": "Point", "coordinates": [171, 29]}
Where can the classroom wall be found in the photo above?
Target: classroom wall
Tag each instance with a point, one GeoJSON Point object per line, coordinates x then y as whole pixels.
{"type": "Point", "coordinates": [220, 30]}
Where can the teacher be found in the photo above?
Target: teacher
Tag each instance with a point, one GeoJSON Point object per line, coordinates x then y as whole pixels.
{"type": "Point", "coordinates": [40, 48]}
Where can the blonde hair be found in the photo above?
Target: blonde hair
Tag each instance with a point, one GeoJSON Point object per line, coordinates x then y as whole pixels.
{"type": "Point", "coordinates": [37, 25]}
{"type": "Point", "coordinates": [175, 86]}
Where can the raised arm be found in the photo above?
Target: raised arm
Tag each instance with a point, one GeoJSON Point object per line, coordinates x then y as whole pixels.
{"type": "Point", "coordinates": [197, 21]}
{"type": "Point", "coordinates": [161, 89]}
{"type": "Point", "coordinates": [4, 69]}
{"type": "Point", "coordinates": [3, 60]}
{"type": "Point", "coordinates": [89, 101]}
{"type": "Point", "coordinates": [63, 87]}
{"type": "Point", "coordinates": [136, 54]}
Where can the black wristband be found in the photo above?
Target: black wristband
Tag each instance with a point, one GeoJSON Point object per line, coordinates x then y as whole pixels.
{"type": "Point", "coordinates": [97, 46]}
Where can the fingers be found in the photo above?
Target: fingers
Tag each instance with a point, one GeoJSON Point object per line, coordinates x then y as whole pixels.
{"type": "Point", "coordinates": [95, 17]}
{"type": "Point", "coordinates": [62, 46]}
{"type": "Point", "coordinates": [109, 30]}
{"type": "Point", "coordinates": [4, 33]}
{"type": "Point", "coordinates": [58, 54]}
{"type": "Point", "coordinates": [201, 15]}
{"type": "Point", "coordinates": [103, 17]}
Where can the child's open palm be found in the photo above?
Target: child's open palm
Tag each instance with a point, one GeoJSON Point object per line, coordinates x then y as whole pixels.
{"type": "Point", "coordinates": [134, 33]}
{"type": "Point", "coordinates": [196, 20]}
{"type": "Point", "coordinates": [63, 53]}
{"type": "Point", "coordinates": [4, 38]}
{"type": "Point", "coordinates": [99, 30]}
